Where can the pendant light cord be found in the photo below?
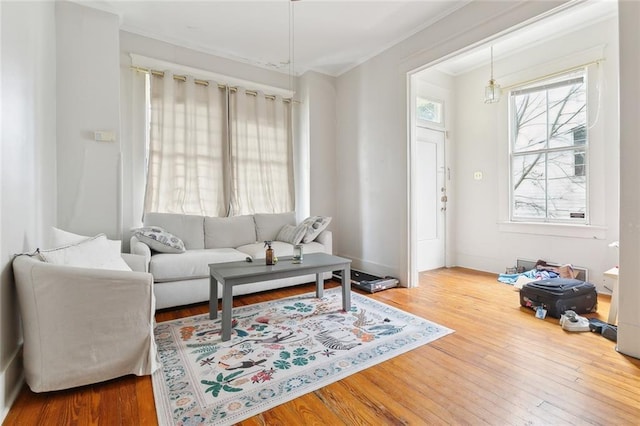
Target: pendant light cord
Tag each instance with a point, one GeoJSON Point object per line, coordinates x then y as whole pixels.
{"type": "Point", "coordinates": [492, 63]}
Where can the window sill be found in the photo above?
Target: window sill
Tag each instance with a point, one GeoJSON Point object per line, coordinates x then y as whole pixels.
{"type": "Point", "coordinates": [555, 229]}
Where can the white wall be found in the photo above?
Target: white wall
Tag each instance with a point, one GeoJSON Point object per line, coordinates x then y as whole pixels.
{"type": "Point", "coordinates": [483, 240]}
{"type": "Point", "coordinates": [27, 161]}
{"type": "Point", "coordinates": [371, 156]}
{"type": "Point", "coordinates": [87, 85]}
{"type": "Point", "coordinates": [322, 143]}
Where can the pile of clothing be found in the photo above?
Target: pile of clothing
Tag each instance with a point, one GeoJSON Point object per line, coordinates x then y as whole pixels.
{"type": "Point", "coordinates": [541, 271]}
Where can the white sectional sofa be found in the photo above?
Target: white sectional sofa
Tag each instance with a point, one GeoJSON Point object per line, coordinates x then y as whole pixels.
{"type": "Point", "coordinates": [183, 278]}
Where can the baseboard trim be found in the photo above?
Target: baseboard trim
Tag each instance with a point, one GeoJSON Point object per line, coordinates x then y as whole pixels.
{"type": "Point", "coordinates": [11, 381]}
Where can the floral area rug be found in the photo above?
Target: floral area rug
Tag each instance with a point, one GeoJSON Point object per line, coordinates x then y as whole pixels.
{"type": "Point", "coordinates": [278, 351]}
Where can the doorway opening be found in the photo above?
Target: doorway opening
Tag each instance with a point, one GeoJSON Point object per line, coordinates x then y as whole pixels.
{"type": "Point", "coordinates": [460, 204]}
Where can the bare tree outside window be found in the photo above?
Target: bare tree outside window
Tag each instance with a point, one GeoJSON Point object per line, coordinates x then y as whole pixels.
{"type": "Point", "coordinates": [549, 150]}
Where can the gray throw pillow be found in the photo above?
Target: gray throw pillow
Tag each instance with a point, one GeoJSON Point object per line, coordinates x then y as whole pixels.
{"type": "Point", "coordinates": [159, 239]}
{"type": "Point", "coordinates": [291, 234]}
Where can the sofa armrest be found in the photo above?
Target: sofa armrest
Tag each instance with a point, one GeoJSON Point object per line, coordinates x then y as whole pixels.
{"type": "Point", "coordinates": [136, 262]}
{"type": "Point", "coordinates": [326, 239]}
{"type": "Point", "coordinates": [138, 247]}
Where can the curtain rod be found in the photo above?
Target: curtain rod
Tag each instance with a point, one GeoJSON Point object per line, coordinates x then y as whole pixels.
{"type": "Point", "coordinates": [205, 83]}
{"type": "Point", "coordinates": [554, 74]}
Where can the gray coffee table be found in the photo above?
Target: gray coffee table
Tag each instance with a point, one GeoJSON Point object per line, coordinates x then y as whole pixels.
{"type": "Point", "coordinates": [231, 274]}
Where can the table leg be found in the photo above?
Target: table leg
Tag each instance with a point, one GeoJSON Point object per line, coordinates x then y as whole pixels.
{"type": "Point", "coordinates": [227, 307]}
{"type": "Point", "coordinates": [346, 288]}
{"type": "Point", "coordinates": [319, 286]}
{"type": "Point", "coordinates": [213, 298]}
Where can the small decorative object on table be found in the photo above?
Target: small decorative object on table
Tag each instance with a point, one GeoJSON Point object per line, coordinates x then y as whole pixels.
{"type": "Point", "coordinates": [297, 253]}
{"type": "Point", "coordinates": [269, 257]}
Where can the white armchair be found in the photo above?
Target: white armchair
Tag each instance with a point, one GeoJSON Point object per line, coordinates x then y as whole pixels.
{"type": "Point", "coordinates": [83, 325]}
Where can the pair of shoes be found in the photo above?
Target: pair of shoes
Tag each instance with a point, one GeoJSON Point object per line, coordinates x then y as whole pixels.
{"type": "Point", "coordinates": [570, 321]}
{"type": "Point", "coordinates": [609, 331]}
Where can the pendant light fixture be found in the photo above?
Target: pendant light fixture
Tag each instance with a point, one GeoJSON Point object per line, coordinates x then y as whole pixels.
{"type": "Point", "coordinates": [493, 91]}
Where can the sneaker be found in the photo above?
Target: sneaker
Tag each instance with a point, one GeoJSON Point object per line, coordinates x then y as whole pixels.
{"type": "Point", "coordinates": [567, 316]}
{"type": "Point", "coordinates": [572, 322]}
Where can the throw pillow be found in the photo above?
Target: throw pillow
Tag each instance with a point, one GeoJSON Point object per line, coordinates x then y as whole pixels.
{"type": "Point", "coordinates": [159, 239]}
{"type": "Point", "coordinates": [93, 252]}
{"type": "Point", "coordinates": [60, 238]}
{"type": "Point", "coordinates": [315, 225]}
{"type": "Point", "coordinates": [291, 234]}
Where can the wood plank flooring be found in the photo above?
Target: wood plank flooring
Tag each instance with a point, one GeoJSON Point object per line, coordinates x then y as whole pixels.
{"type": "Point", "coordinates": [502, 366]}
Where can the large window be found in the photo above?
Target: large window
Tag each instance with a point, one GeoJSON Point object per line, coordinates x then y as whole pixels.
{"type": "Point", "coordinates": [549, 150]}
{"type": "Point", "coordinates": [217, 151]}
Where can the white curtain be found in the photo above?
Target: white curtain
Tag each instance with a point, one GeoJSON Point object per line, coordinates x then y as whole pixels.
{"type": "Point", "coordinates": [261, 153]}
{"type": "Point", "coordinates": [188, 148]}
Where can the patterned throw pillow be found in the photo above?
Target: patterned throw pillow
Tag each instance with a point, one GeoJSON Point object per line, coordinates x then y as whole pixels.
{"type": "Point", "coordinates": [315, 225]}
{"type": "Point", "coordinates": [159, 239]}
{"type": "Point", "coordinates": [291, 234]}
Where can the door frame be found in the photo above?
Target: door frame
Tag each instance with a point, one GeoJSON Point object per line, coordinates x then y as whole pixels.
{"type": "Point", "coordinates": [412, 93]}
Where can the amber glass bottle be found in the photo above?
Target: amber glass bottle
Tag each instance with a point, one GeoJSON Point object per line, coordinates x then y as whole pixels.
{"type": "Point", "coordinates": [269, 253]}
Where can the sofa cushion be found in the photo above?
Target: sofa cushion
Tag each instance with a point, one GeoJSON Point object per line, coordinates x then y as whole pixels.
{"type": "Point", "coordinates": [159, 239]}
{"type": "Point", "coordinates": [315, 225]}
{"type": "Point", "coordinates": [96, 253]}
{"type": "Point", "coordinates": [224, 232]}
{"type": "Point", "coordinates": [280, 248]}
{"type": "Point", "coordinates": [189, 228]}
{"type": "Point", "coordinates": [190, 264]}
{"type": "Point", "coordinates": [291, 234]}
{"type": "Point", "coordinates": [268, 225]}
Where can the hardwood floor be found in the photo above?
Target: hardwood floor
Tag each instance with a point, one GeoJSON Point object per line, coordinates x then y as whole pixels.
{"type": "Point", "coordinates": [501, 366]}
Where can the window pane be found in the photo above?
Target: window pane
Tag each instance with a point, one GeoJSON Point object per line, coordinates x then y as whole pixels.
{"type": "Point", "coordinates": [529, 188]}
{"type": "Point", "coordinates": [429, 110]}
{"type": "Point", "coordinates": [566, 192]}
{"type": "Point", "coordinates": [567, 112]}
{"type": "Point", "coordinates": [530, 121]}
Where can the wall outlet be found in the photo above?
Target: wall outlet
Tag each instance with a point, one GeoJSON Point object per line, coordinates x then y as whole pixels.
{"type": "Point", "coordinates": [477, 175]}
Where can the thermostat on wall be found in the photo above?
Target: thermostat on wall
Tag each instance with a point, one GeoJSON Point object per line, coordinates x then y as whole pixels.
{"type": "Point", "coordinates": [104, 136]}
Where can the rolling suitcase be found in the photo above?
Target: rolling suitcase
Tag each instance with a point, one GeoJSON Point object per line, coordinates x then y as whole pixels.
{"type": "Point", "coordinates": [558, 295]}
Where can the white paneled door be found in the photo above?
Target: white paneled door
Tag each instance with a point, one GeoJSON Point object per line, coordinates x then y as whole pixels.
{"type": "Point", "coordinates": [431, 198]}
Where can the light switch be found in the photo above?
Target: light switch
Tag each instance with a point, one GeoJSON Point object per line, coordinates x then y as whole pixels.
{"type": "Point", "coordinates": [477, 175]}
{"type": "Point", "coordinates": [104, 136]}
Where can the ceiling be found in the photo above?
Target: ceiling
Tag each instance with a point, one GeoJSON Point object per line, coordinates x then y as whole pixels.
{"type": "Point", "coordinates": [330, 36]}
{"type": "Point", "coordinates": [571, 19]}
